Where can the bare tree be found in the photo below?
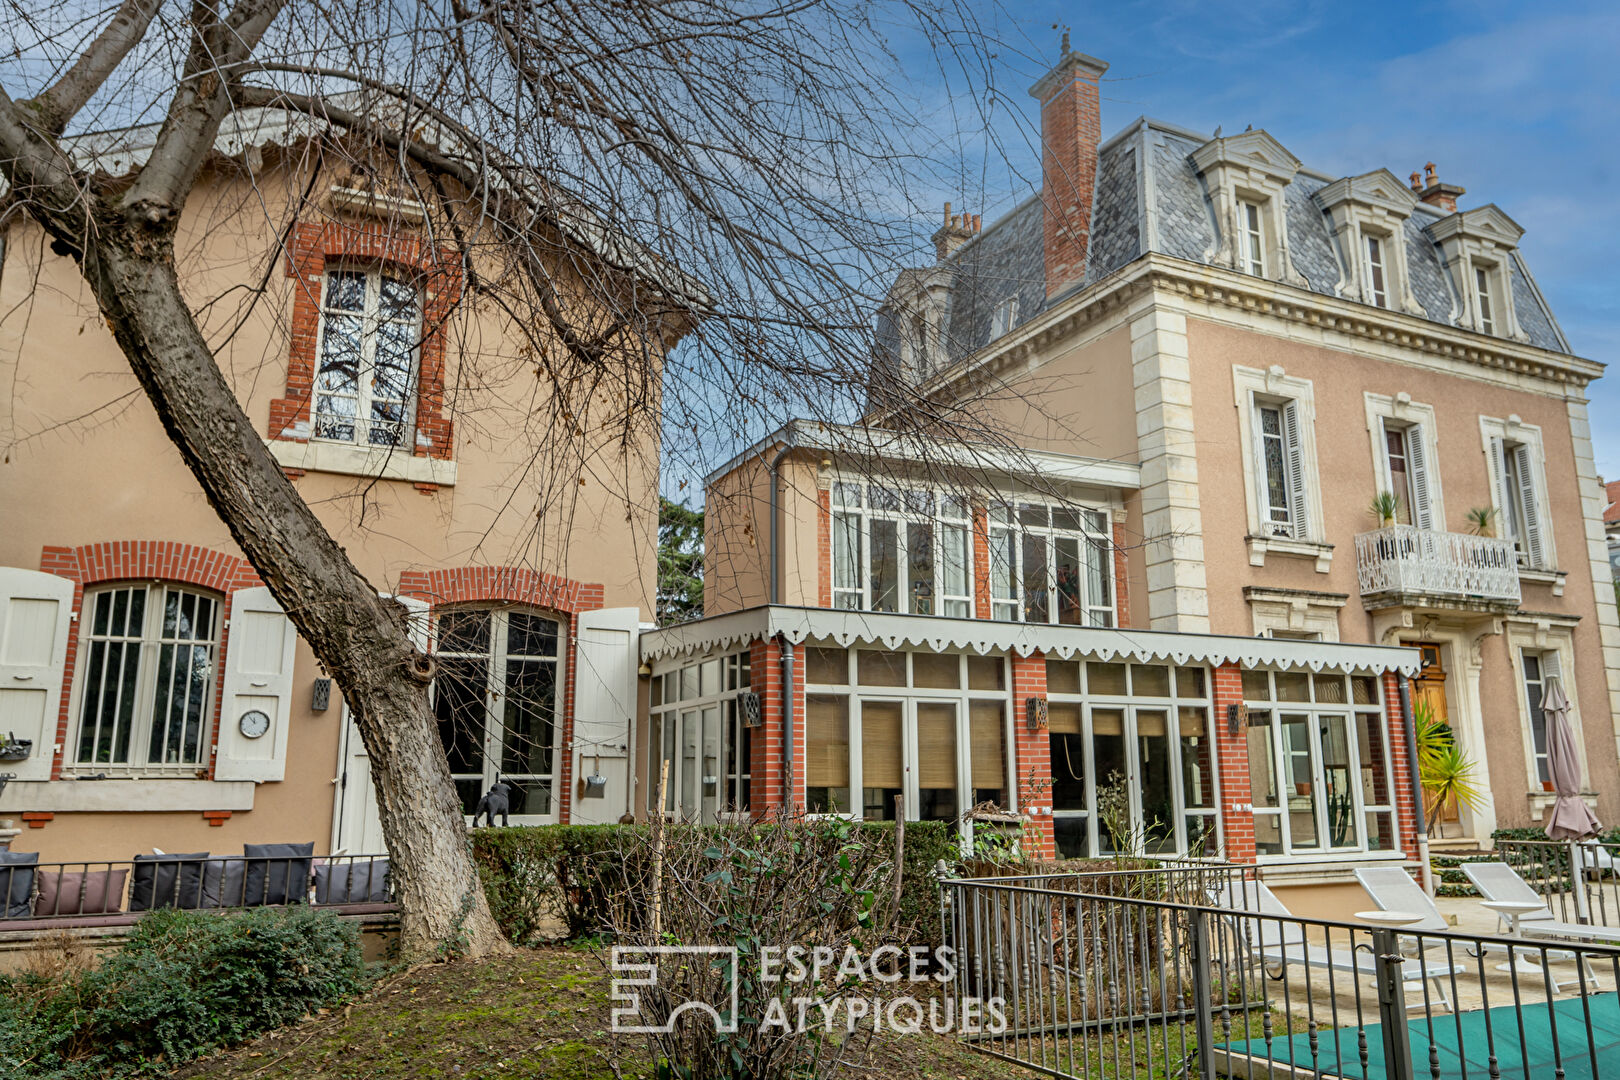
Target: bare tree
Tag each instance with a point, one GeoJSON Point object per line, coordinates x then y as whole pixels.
{"type": "Point", "coordinates": [610, 175]}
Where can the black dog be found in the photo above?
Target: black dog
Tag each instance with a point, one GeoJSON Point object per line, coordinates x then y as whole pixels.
{"type": "Point", "coordinates": [497, 800]}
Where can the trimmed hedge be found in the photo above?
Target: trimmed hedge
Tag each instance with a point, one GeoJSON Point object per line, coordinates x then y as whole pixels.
{"type": "Point", "coordinates": [543, 878]}
{"type": "Point", "coordinates": [185, 984]}
{"type": "Point", "coordinates": [1536, 832]}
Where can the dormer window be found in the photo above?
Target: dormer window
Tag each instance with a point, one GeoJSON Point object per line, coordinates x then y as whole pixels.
{"type": "Point", "coordinates": [1253, 238]}
{"type": "Point", "coordinates": [1482, 296]}
{"type": "Point", "coordinates": [1377, 290]}
{"type": "Point", "coordinates": [1004, 317]}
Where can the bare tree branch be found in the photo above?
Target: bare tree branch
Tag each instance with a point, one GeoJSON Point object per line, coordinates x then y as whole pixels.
{"type": "Point", "coordinates": [62, 100]}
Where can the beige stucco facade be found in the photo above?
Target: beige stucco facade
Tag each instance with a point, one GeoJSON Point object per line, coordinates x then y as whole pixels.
{"type": "Point", "coordinates": [88, 466]}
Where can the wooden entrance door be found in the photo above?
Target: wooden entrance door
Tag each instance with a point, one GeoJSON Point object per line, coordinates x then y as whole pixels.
{"type": "Point", "coordinates": [1430, 688]}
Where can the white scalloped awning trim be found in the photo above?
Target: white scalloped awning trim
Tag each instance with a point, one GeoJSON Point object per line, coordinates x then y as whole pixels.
{"type": "Point", "coordinates": [725, 633]}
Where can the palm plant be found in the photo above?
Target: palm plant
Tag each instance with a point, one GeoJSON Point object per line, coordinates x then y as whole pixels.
{"type": "Point", "coordinates": [1447, 774]}
{"type": "Point", "coordinates": [1383, 507]}
{"type": "Point", "coordinates": [1482, 520]}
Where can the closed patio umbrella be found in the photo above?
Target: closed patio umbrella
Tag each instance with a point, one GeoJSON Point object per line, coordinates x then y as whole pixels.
{"type": "Point", "coordinates": [1571, 818]}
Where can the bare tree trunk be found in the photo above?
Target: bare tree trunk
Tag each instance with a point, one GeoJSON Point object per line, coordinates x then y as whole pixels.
{"type": "Point", "coordinates": [357, 635]}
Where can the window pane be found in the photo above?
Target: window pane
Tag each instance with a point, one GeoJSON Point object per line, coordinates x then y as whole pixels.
{"type": "Point", "coordinates": [936, 761]}
{"type": "Point", "coordinates": [1071, 832]}
{"type": "Point", "coordinates": [1341, 804]}
{"type": "Point", "coordinates": [397, 300]}
{"type": "Point", "coordinates": [345, 290]}
{"type": "Point", "coordinates": [1190, 682]}
{"type": "Point", "coordinates": [1066, 570]}
{"type": "Point", "coordinates": [1256, 686]}
{"type": "Point", "coordinates": [1099, 580]}
{"type": "Point", "coordinates": [387, 427]}
{"type": "Point", "coordinates": [340, 354]}
{"type": "Point", "coordinates": [1293, 686]}
{"type": "Point", "coordinates": [1380, 832]}
{"type": "Point", "coordinates": [920, 568]}
{"type": "Point", "coordinates": [459, 705]}
{"type": "Point", "coordinates": [846, 551]}
{"type": "Point", "coordinates": [530, 734]}
{"type": "Point", "coordinates": [826, 666]}
{"type": "Point", "coordinates": [1374, 761]}
{"type": "Point", "coordinates": [1300, 768]}
{"type": "Point", "coordinates": [953, 577]}
{"type": "Point", "coordinates": [1105, 678]}
{"type": "Point", "coordinates": [873, 668]}
{"type": "Point", "coordinates": [1197, 758]}
{"type": "Point", "coordinates": [1268, 834]}
{"type": "Point", "coordinates": [1003, 564]}
{"type": "Point", "coordinates": [1364, 690]}
{"type": "Point", "coordinates": [1111, 769]}
{"type": "Point", "coordinates": [826, 774]}
{"type": "Point", "coordinates": [885, 582]}
{"type": "Point", "coordinates": [1157, 787]}
{"type": "Point", "coordinates": [334, 417]}
{"type": "Point", "coordinates": [987, 752]}
{"type": "Point", "coordinates": [936, 672]}
{"type": "Point", "coordinates": [1150, 681]}
{"type": "Point", "coordinates": [1263, 789]}
{"type": "Point", "coordinates": [530, 635]}
{"type": "Point", "coordinates": [1037, 605]}
{"type": "Point", "coordinates": [1062, 677]}
{"type": "Point", "coordinates": [1031, 514]}
{"type": "Point", "coordinates": [880, 498]}
{"type": "Point", "coordinates": [1068, 752]}
{"type": "Point", "coordinates": [464, 632]}
{"type": "Point", "coordinates": [986, 673]}
{"type": "Point", "coordinates": [1329, 689]}
{"type": "Point", "coordinates": [882, 750]}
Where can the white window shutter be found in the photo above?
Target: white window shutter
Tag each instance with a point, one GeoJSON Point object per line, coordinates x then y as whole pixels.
{"type": "Point", "coordinates": [259, 652]}
{"type": "Point", "coordinates": [1257, 443]}
{"type": "Point", "coordinates": [1298, 514]}
{"type": "Point", "coordinates": [605, 692]}
{"type": "Point", "coordinates": [418, 620]}
{"type": "Point", "coordinates": [35, 615]}
{"type": "Point", "coordinates": [1506, 520]}
{"type": "Point", "coordinates": [1534, 548]}
{"type": "Point", "coordinates": [1417, 462]}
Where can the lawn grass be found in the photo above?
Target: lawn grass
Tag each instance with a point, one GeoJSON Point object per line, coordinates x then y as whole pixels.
{"type": "Point", "coordinates": [542, 1013]}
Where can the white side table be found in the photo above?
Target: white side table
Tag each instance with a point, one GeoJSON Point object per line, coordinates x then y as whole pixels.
{"type": "Point", "coordinates": [1516, 910]}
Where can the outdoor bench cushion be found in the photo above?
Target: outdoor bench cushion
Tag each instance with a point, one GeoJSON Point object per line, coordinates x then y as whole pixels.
{"type": "Point", "coordinates": [364, 882]}
{"type": "Point", "coordinates": [80, 892]}
{"type": "Point", "coordinates": [167, 881]}
{"type": "Point", "coordinates": [278, 873]}
{"type": "Point", "coordinates": [225, 883]}
{"type": "Point", "coordinates": [17, 882]}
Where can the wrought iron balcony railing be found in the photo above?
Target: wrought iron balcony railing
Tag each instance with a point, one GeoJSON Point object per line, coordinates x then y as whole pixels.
{"type": "Point", "coordinates": [1405, 561]}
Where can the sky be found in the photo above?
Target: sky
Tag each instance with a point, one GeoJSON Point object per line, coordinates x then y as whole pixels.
{"type": "Point", "coordinates": [1515, 102]}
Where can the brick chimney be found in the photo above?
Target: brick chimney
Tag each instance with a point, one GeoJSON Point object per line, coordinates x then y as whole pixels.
{"type": "Point", "coordinates": [957, 230]}
{"type": "Point", "coordinates": [1071, 128]}
{"type": "Point", "coordinates": [1430, 190]}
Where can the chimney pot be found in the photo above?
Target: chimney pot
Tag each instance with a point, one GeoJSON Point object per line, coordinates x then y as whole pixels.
{"type": "Point", "coordinates": [1434, 192]}
{"type": "Point", "coordinates": [1416, 181]}
{"type": "Point", "coordinates": [1428, 173]}
{"type": "Point", "coordinates": [957, 230]}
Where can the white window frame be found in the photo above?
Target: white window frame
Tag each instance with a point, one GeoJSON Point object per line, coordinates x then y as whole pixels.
{"type": "Point", "coordinates": [1482, 299]}
{"type": "Point", "coordinates": [363, 396]}
{"type": "Point", "coordinates": [1252, 237]}
{"type": "Point", "coordinates": [1004, 317]}
{"type": "Point", "coordinates": [1400, 411]}
{"type": "Point", "coordinates": [1523, 514]}
{"type": "Point", "coordinates": [1094, 539]}
{"type": "Point", "coordinates": [1131, 704]}
{"type": "Point", "coordinates": [148, 642]}
{"type": "Point", "coordinates": [1548, 642]}
{"type": "Point", "coordinates": [1355, 714]}
{"type": "Point", "coordinates": [714, 683]}
{"type": "Point", "coordinates": [1250, 387]}
{"type": "Point", "coordinates": [1376, 265]}
{"type": "Point", "coordinates": [909, 696]}
{"type": "Point", "coordinates": [851, 503]}
{"type": "Point", "coordinates": [495, 657]}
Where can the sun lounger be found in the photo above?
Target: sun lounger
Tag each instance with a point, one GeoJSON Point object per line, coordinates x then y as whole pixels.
{"type": "Point", "coordinates": [1272, 936]}
{"type": "Point", "coordinates": [1393, 889]}
{"type": "Point", "coordinates": [1499, 881]}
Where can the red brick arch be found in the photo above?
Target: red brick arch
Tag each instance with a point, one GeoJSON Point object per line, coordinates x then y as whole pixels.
{"type": "Point", "coordinates": [511, 583]}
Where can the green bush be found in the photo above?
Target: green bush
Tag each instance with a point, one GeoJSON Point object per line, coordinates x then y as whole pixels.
{"type": "Point", "coordinates": [542, 877]}
{"type": "Point", "coordinates": [185, 984]}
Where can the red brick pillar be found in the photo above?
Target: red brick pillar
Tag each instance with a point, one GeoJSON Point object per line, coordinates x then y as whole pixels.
{"type": "Point", "coordinates": [981, 562]}
{"type": "Point", "coordinates": [1400, 766]}
{"type": "Point", "coordinates": [1032, 765]}
{"type": "Point", "coordinates": [1232, 753]}
{"type": "Point", "coordinates": [824, 555]}
{"type": "Point", "coordinates": [769, 793]}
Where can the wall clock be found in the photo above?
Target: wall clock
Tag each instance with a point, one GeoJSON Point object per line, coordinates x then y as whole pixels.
{"type": "Point", "coordinates": [254, 723]}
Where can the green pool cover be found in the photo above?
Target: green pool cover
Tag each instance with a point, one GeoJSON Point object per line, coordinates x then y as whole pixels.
{"type": "Point", "coordinates": [1582, 1036]}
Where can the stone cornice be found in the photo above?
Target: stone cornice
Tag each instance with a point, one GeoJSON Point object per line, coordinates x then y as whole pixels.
{"type": "Point", "coordinates": [1424, 341]}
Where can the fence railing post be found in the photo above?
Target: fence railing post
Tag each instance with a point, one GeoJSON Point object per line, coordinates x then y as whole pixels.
{"type": "Point", "coordinates": [1388, 963]}
{"type": "Point", "coordinates": [1203, 962]}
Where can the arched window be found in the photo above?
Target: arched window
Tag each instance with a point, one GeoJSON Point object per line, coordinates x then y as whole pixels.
{"type": "Point", "coordinates": [365, 390]}
{"type": "Point", "coordinates": [147, 678]}
{"type": "Point", "coordinates": [496, 697]}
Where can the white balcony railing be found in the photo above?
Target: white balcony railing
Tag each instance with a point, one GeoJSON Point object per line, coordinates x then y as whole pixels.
{"type": "Point", "coordinates": [1407, 560]}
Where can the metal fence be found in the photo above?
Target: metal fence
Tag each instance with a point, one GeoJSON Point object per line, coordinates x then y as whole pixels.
{"type": "Point", "coordinates": [1580, 882]}
{"type": "Point", "coordinates": [32, 891]}
{"type": "Point", "coordinates": [1114, 986]}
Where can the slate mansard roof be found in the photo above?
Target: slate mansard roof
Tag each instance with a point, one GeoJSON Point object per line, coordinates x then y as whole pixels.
{"type": "Point", "coordinates": [1149, 197]}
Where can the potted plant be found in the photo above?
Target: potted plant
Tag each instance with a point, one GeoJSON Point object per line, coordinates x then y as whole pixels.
{"type": "Point", "coordinates": [1482, 521]}
{"type": "Point", "coordinates": [1383, 507]}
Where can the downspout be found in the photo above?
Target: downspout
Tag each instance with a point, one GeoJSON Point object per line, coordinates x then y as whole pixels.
{"type": "Point", "coordinates": [1410, 731]}
{"type": "Point", "coordinates": [789, 790]}
{"type": "Point", "coordinates": [774, 592]}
